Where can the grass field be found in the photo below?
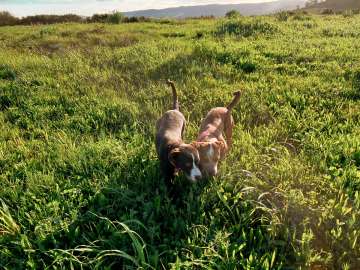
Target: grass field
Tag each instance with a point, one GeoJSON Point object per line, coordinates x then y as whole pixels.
{"type": "Point", "coordinates": [80, 186]}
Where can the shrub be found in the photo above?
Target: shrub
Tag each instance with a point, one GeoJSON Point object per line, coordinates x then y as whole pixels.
{"type": "Point", "coordinates": [50, 19]}
{"type": "Point", "coordinates": [348, 13]}
{"type": "Point", "coordinates": [327, 11]}
{"type": "Point", "coordinates": [356, 81]}
{"type": "Point", "coordinates": [174, 35]}
{"type": "Point", "coordinates": [245, 29]}
{"type": "Point", "coordinates": [301, 17]}
{"type": "Point", "coordinates": [240, 60]}
{"type": "Point", "coordinates": [136, 19]}
{"type": "Point", "coordinates": [283, 16]}
{"type": "Point", "coordinates": [7, 19]}
{"type": "Point", "coordinates": [6, 73]}
{"type": "Point", "coordinates": [309, 25]}
{"type": "Point", "coordinates": [98, 18]}
{"type": "Point", "coordinates": [166, 21]}
{"type": "Point", "coordinates": [232, 14]}
{"type": "Point", "coordinates": [353, 76]}
{"type": "Point", "coordinates": [116, 18]}
{"type": "Point", "coordinates": [203, 17]}
{"type": "Point", "coordinates": [199, 35]}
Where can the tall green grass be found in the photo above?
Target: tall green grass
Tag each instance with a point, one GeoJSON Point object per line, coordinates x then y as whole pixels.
{"type": "Point", "coordinates": [80, 185]}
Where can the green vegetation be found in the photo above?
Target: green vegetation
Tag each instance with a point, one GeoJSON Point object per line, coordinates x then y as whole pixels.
{"type": "Point", "coordinates": [116, 17]}
{"type": "Point", "coordinates": [245, 28]}
{"type": "Point", "coordinates": [232, 14]}
{"type": "Point", "coordinates": [6, 19]}
{"type": "Point", "coordinates": [80, 182]}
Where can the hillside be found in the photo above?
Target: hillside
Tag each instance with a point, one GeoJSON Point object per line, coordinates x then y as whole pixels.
{"type": "Point", "coordinates": [220, 10]}
{"type": "Point", "coordinates": [337, 5]}
{"type": "Point", "coordinates": [80, 186]}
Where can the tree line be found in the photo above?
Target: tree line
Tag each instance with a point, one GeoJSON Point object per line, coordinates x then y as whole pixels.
{"type": "Point", "coordinates": [7, 19]}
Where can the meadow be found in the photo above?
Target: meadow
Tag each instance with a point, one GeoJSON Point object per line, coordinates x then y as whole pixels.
{"type": "Point", "coordinates": [80, 186]}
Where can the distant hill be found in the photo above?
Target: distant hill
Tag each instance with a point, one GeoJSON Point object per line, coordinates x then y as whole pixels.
{"type": "Point", "coordinates": [337, 5]}
{"type": "Point", "coordinates": [220, 10]}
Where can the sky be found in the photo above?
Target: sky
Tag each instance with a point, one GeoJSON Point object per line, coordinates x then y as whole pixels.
{"type": "Point", "coordinates": [22, 8]}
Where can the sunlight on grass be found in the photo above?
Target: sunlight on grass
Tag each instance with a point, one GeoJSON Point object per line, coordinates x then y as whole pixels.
{"type": "Point", "coordinates": [80, 180]}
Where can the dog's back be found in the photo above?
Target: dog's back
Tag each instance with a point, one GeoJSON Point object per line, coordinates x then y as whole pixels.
{"type": "Point", "coordinates": [169, 130]}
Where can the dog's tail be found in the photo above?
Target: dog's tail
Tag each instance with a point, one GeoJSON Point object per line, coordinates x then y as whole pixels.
{"type": "Point", "coordinates": [235, 101]}
{"type": "Point", "coordinates": [175, 97]}
{"type": "Point", "coordinates": [228, 122]}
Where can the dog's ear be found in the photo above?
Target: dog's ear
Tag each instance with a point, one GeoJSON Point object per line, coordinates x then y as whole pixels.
{"type": "Point", "coordinates": [173, 155]}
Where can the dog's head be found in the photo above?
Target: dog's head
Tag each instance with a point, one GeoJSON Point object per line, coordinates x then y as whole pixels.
{"type": "Point", "coordinates": [186, 158]}
{"type": "Point", "coordinates": [210, 154]}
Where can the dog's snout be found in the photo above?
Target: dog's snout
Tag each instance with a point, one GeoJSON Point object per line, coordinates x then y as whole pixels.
{"type": "Point", "coordinates": [195, 173]}
{"type": "Point", "coordinates": [212, 174]}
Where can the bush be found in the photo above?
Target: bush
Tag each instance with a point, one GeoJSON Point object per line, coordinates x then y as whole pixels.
{"type": "Point", "coordinates": [199, 35]}
{"type": "Point", "coordinates": [245, 29]}
{"type": "Point", "coordinates": [283, 16]}
{"type": "Point", "coordinates": [356, 81]}
{"type": "Point", "coordinates": [348, 13]}
{"type": "Point", "coordinates": [7, 19]}
{"type": "Point", "coordinates": [7, 73]}
{"type": "Point", "coordinates": [327, 11]}
{"type": "Point", "coordinates": [116, 18]}
{"type": "Point", "coordinates": [309, 25]}
{"type": "Point", "coordinates": [131, 19]}
{"type": "Point", "coordinates": [98, 18]}
{"type": "Point", "coordinates": [203, 17]}
{"type": "Point", "coordinates": [353, 76]}
{"type": "Point", "coordinates": [237, 59]}
{"type": "Point", "coordinates": [50, 19]}
{"type": "Point", "coordinates": [174, 35]}
{"type": "Point", "coordinates": [136, 19]}
{"type": "Point", "coordinates": [232, 14]}
{"type": "Point", "coordinates": [301, 17]}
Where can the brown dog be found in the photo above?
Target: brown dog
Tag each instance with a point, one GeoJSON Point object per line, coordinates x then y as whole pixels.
{"type": "Point", "coordinates": [173, 153]}
{"type": "Point", "coordinates": [210, 143]}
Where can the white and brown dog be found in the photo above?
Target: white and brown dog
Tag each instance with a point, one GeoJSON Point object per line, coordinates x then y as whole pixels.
{"type": "Point", "coordinates": [210, 142]}
{"type": "Point", "coordinates": [174, 154]}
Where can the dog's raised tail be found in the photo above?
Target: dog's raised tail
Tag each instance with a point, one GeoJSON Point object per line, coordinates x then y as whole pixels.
{"type": "Point", "coordinates": [235, 101]}
{"type": "Point", "coordinates": [175, 97]}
